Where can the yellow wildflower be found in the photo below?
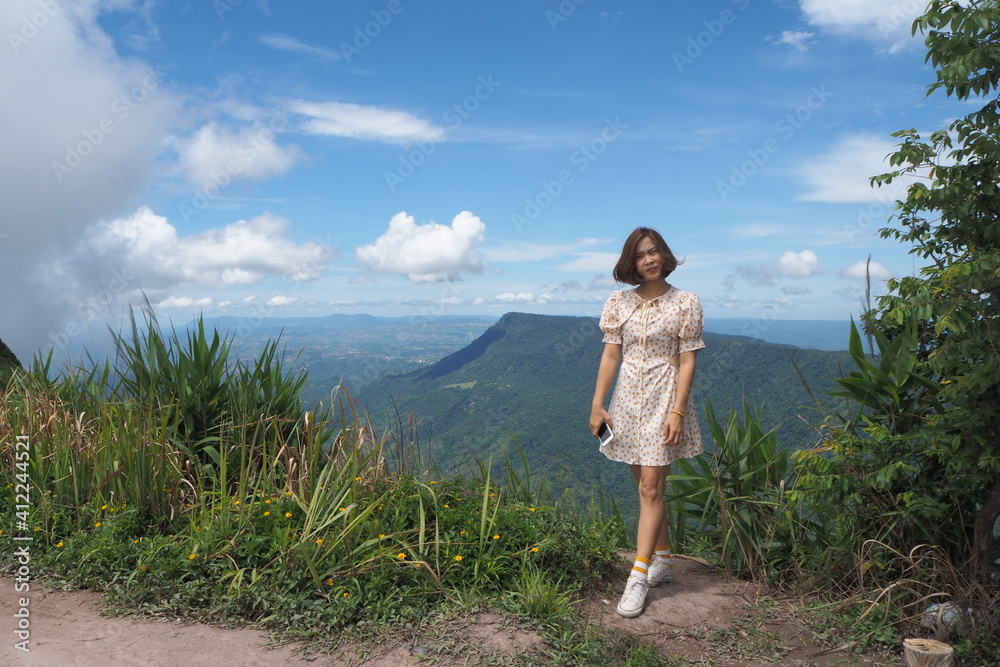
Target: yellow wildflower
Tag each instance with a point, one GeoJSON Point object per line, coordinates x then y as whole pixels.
{"type": "Point", "coordinates": [319, 541]}
{"type": "Point", "coordinates": [534, 549]}
{"type": "Point", "coordinates": [268, 513]}
{"type": "Point", "coordinates": [401, 556]}
{"type": "Point", "coordinates": [347, 595]}
{"type": "Point", "coordinates": [104, 507]}
{"type": "Point", "coordinates": [97, 525]}
{"type": "Point", "coordinates": [329, 582]}
{"type": "Point", "coordinates": [288, 515]}
{"type": "Point", "coordinates": [191, 557]}
{"type": "Point", "coordinates": [60, 544]}
{"type": "Point", "coordinates": [496, 537]}
{"type": "Point", "coordinates": [458, 557]}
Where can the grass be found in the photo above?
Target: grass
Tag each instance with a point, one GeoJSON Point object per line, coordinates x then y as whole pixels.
{"type": "Point", "coordinates": [181, 482]}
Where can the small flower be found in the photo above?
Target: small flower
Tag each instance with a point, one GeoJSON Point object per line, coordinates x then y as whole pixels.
{"type": "Point", "coordinates": [288, 493]}
{"type": "Point", "coordinates": [347, 595]}
{"type": "Point", "coordinates": [197, 528]}
{"type": "Point", "coordinates": [381, 536]}
{"type": "Point", "coordinates": [433, 482]}
{"type": "Point", "coordinates": [268, 513]}
{"type": "Point", "coordinates": [104, 507]}
{"type": "Point", "coordinates": [534, 549]}
{"type": "Point", "coordinates": [329, 582]}
{"type": "Point", "coordinates": [267, 502]}
{"type": "Point", "coordinates": [38, 528]}
{"type": "Point", "coordinates": [288, 515]}
{"type": "Point", "coordinates": [319, 541]}
{"type": "Point", "coordinates": [496, 537]}
{"type": "Point", "coordinates": [380, 507]}
{"type": "Point", "coordinates": [59, 545]}
{"type": "Point", "coordinates": [401, 556]}
{"type": "Point", "coordinates": [531, 509]}
{"type": "Point", "coordinates": [458, 557]}
{"type": "Point", "coordinates": [236, 502]}
{"type": "Point", "coordinates": [113, 509]}
{"type": "Point", "coordinates": [135, 541]}
{"type": "Point", "coordinates": [143, 568]}
{"type": "Point", "coordinates": [97, 525]}
{"type": "Point", "coordinates": [191, 557]}
{"type": "Point", "coordinates": [357, 479]}
{"type": "Point", "coordinates": [447, 506]}
{"type": "Point", "coordinates": [461, 532]}
{"type": "Point", "coordinates": [341, 509]}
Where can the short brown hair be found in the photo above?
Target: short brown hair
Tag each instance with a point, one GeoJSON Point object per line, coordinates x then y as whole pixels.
{"type": "Point", "coordinates": [625, 271]}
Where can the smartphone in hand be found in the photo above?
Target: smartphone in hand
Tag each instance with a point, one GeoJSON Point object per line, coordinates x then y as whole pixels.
{"type": "Point", "coordinates": [604, 434]}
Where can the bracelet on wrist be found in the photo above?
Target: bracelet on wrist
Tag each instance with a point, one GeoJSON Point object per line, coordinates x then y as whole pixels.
{"type": "Point", "coordinates": [677, 412]}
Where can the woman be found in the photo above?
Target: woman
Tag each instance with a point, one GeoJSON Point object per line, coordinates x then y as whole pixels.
{"type": "Point", "coordinates": [655, 332]}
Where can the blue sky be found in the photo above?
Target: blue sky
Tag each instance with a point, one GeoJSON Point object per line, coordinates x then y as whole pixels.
{"type": "Point", "coordinates": [395, 157]}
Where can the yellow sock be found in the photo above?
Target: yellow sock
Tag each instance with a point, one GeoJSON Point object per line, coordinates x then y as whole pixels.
{"type": "Point", "coordinates": [641, 567]}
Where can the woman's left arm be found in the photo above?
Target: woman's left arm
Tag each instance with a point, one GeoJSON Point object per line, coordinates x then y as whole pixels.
{"type": "Point", "coordinates": [673, 427]}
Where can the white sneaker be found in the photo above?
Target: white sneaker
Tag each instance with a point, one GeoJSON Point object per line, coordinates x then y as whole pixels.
{"type": "Point", "coordinates": [660, 570]}
{"type": "Point", "coordinates": [634, 597]}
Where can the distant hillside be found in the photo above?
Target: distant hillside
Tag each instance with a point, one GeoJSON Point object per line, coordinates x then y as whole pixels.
{"type": "Point", "coordinates": [8, 363]}
{"type": "Point", "coordinates": [532, 376]}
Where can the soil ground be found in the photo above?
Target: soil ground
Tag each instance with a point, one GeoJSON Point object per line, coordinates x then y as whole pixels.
{"type": "Point", "coordinates": [68, 629]}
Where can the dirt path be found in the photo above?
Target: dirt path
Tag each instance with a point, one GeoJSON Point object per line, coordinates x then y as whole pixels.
{"type": "Point", "coordinates": [67, 629]}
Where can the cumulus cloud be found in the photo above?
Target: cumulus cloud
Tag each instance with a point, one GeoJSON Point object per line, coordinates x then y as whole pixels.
{"type": "Point", "coordinates": [284, 42]}
{"type": "Point", "coordinates": [427, 253]}
{"type": "Point", "coordinates": [841, 175]}
{"type": "Point", "coordinates": [857, 270]}
{"type": "Point", "coordinates": [799, 264]}
{"type": "Point", "coordinates": [154, 256]}
{"type": "Point", "coordinates": [81, 132]}
{"type": "Point", "coordinates": [216, 154]}
{"type": "Point", "coordinates": [365, 122]}
{"type": "Point", "coordinates": [886, 21]}
{"type": "Point", "coordinates": [797, 39]}
{"type": "Point", "coordinates": [282, 300]}
{"type": "Point", "coordinates": [184, 302]}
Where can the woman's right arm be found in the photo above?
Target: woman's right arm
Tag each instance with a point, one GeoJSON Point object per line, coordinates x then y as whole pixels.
{"type": "Point", "coordinates": [605, 375]}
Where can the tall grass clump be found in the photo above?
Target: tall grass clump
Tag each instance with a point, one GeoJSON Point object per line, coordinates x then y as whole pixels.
{"type": "Point", "coordinates": [179, 479]}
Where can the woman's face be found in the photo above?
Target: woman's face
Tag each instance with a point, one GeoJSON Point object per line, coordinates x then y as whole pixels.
{"type": "Point", "coordinates": [648, 261]}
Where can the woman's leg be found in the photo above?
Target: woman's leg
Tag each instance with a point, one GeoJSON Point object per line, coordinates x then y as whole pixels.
{"type": "Point", "coordinates": [652, 531]}
{"type": "Point", "coordinates": [662, 535]}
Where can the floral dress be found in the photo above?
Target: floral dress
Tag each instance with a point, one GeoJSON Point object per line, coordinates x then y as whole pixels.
{"type": "Point", "coordinates": [652, 334]}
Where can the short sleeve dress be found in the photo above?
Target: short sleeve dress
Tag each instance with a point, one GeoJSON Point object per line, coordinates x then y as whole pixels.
{"type": "Point", "coordinates": [652, 334]}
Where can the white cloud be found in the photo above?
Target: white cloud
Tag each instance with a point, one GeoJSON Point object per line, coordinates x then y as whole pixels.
{"type": "Point", "coordinates": [755, 230]}
{"type": "Point", "coordinates": [591, 262]}
{"type": "Point", "coordinates": [153, 256]}
{"type": "Point", "coordinates": [427, 253]}
{"type": "Point", "coordinates": [282, 300]}
{"type": "Point", "coordinates": [529, 252]}
{"type": "Point", "coordinates": [857, 270]}
{"type": "Point", "coordinates": [288, 43]}
{"type": "Point", "coordinates": [797, 39]}
{"type": "Point", "coordinates": [358, 121]}
{"type": "Point", "coordinates": [799, 264]}
{"type": "Point", "coordinates": [842, 174]}
{"type": "Point", "coordinates": [886, 21]}
{"type": "Point", "coordinates": [82, 129]}
{"type": "Point", "coordinates": [218, 155]}
{"type": "Point", "coordinates": [184, 302]}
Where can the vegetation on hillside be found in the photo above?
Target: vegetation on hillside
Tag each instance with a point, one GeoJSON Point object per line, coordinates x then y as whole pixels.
{"type": "Point", "coordinates": [8, 363]}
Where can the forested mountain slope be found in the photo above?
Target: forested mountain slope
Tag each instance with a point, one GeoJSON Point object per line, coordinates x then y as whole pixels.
{"type": "Point", "coordinates": [532, 377]}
